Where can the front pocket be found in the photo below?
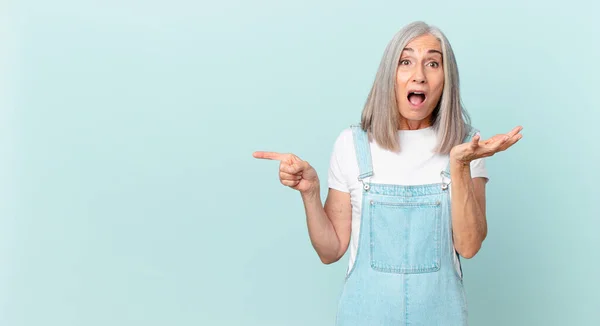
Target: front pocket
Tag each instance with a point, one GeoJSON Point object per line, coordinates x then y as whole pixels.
{"type": "Point", "coordinates": [405, 236]}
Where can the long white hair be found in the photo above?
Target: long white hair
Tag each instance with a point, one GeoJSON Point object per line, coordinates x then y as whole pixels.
{"type": "Point", "coordinates": [381, 116]}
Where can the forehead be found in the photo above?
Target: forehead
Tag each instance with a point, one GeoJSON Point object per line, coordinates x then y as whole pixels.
{"type": "Point", "coordinates": [424, 43]}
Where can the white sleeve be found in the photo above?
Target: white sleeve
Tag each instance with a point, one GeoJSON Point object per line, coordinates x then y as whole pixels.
{"type": "Point", "coordinates": [478, 169]}
{"type": "Point", "coordinates": [336, 176]}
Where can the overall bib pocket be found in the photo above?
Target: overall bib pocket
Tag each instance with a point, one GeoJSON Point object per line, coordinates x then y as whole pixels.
{"type": "Point", "coordinates": [405, 236]}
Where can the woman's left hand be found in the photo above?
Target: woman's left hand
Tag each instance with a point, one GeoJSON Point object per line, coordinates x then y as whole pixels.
{"type": "Point", "coordinates": [476, 148]}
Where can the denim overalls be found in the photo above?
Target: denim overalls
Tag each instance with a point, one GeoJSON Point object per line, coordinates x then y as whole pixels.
{"type": "Point", "coordinates": [406, 270]}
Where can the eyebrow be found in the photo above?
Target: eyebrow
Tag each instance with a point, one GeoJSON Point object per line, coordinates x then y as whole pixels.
{"type": "Point", "coordinates": [429, 51]}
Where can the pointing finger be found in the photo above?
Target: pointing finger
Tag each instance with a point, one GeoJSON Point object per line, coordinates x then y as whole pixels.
{"type": "Point", "coordinates": [269, 155]}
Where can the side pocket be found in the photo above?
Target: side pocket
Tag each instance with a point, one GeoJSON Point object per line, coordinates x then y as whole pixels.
{"type": "Point", "coordinates": [405, 236]}
{"type": "Point", "coordinates": [457, 266]}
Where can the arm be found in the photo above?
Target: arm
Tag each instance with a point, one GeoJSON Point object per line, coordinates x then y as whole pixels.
{"type": "Point", "coordinates": [469, 223]}
{"type": "Point", "coordinates": [468, 194]}
{"type": "Point", "coordinates": [329, 227]}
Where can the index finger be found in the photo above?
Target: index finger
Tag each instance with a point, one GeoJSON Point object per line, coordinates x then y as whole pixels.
{"type": "Point", "coordinates": [268, 155]}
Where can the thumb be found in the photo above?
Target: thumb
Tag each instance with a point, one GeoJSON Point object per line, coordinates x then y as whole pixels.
{"type": "Point", "coordinates": [475, 140]}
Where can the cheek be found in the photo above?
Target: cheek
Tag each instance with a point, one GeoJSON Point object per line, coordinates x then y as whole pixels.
{"type": "Point", "coordinates": [437, 87]}
{"type": "Point", "coordinates": [438, 83]}
{"type": "Point", "coordinates": [402, 76]}
{"type": "Point", "coordinates": [401, 82]}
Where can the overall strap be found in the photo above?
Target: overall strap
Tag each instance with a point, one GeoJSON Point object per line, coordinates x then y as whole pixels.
{"type": "Point", "coordinates": [363, 152]}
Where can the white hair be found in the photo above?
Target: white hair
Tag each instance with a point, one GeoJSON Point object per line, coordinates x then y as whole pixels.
{"type": "Point", "coordinates": [380, 116]}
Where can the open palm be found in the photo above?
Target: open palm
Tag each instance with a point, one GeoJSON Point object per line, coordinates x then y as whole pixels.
{"type": "Point", "coordinates": [477, 148]}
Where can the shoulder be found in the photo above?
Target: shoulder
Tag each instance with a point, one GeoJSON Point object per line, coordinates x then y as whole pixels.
{"type": "Point", "coordinates": [344, 139]}
{"type": "Point", "coordinates": [346, 133]}
{"type": "Point", "coordinates": [344, 150]}
{"type": "Point", "coordinates": [342, 164]}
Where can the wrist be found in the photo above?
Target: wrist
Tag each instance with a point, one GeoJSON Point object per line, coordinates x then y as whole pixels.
{"type": "Point", "coordinates": [460, 166]}
{"type": "Point", "coordinates": [458, 160]}
{"type": "Point", "coordinates": [311, 193]}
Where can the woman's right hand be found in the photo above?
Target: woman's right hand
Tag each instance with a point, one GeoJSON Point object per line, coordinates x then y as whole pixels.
{"type": "Point", "coordinates": [293, 172]}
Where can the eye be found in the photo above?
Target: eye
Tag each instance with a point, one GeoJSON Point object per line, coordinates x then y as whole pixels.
{"type": "Point", "coordinates": [433, 64]}
{"type": "Point", "coordinates": [404, 62]}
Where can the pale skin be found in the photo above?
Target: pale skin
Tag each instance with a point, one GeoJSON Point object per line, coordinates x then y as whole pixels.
{"type": "Point", "coordinates": [329, 226]}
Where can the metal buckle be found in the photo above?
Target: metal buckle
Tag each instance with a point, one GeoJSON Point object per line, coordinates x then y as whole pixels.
{"type": "Point", "coordinates": [366, 186]}
{"type": "Point", "coordinates": [444, 184]}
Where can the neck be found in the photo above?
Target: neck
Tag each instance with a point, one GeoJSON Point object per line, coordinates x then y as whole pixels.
{"type": "Point", "coordinates": [414, 124]}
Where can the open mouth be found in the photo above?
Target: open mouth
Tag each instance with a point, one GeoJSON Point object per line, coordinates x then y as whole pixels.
{"type": "Point", "coordinates": [416, 98]}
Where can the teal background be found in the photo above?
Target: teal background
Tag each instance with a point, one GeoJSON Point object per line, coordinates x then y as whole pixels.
{"type": "Point", "coordinates": [130, 196]}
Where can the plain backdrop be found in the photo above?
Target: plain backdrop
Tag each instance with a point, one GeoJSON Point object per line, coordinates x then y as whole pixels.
{"type": "Point", "coordinates": [129, 195]}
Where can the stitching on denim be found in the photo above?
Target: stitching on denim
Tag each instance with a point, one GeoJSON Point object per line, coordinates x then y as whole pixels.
{"type": "Point", "coordinates": [422, 268]}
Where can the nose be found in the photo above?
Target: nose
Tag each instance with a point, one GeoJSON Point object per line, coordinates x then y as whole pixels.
{"type": "Point", "coordinates": [419, 79]}
{"type": "Point", "coordinates": [419, 76]}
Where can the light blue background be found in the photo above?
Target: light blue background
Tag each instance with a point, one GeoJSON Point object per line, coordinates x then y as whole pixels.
{"type": "Point", "coordinates": [130, 196]}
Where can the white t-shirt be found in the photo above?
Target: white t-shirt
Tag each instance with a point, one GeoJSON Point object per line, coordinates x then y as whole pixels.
{"type": "Point", "coordinates": [415, 164]}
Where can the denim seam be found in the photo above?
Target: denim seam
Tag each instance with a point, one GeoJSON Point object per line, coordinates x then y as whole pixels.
{"type": "Point", "coordinates": [361, 239]}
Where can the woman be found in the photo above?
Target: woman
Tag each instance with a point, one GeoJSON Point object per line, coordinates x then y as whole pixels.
{"type": "Point", "coordinates": [406, 190]}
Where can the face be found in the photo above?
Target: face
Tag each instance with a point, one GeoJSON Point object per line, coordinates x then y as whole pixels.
{"type": "Point", "coordinates": [419, 81]}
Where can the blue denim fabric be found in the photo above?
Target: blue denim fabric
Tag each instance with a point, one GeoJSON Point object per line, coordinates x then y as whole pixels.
{"type": "Point", "coordinates": [406, 271]}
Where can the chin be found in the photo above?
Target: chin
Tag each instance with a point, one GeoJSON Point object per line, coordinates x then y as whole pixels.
{"type": "Point", "coordinates": [413, 115]}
